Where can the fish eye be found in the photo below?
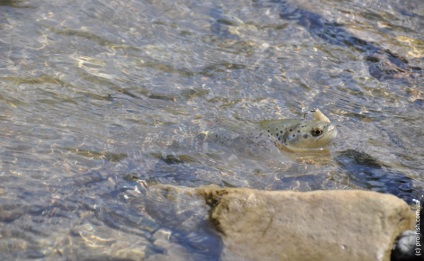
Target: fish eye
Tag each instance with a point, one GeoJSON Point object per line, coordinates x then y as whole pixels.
{"type": "Point", "coordinates": [316, 132]}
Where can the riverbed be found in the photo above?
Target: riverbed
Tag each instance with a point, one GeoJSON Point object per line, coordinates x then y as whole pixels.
{"type": "Point", "coordinates": [101, 99]}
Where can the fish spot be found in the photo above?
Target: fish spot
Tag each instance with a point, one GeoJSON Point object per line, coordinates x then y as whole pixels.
{"type": "Point", "coordinates": [305, 136]}
{"type": "Point", "coordinates": [298, 131]}
{"type": "Point", "coordinates": [293, 135]}
{"type": "Point", "coordinates": [291, 130]}
{"type": "Point", "coordinates": [281, 131]}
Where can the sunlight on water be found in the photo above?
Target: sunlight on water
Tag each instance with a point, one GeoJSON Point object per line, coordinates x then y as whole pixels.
{"type": "Point", "coordinates": [100, 100]}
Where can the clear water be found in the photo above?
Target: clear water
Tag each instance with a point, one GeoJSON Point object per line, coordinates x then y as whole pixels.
{"type": "Point", "coordinates": [101, 99]}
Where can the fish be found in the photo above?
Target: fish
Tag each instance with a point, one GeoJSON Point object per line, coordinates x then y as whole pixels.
{"type": "Point", "coordinates": [295, 135]}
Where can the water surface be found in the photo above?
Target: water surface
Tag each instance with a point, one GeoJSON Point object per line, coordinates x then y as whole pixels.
{"type": "Point", "coordinates": [101, 99]}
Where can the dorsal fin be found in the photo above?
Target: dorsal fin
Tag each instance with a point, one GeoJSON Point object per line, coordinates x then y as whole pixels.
{"type": "Point", "coordinates": [319, 116]}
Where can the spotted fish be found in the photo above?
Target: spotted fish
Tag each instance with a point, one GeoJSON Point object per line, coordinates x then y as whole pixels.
{"type": "Point", "coordinates": [289, 134]}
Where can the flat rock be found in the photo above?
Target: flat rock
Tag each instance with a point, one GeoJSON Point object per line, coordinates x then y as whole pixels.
{"type": "Point", "coordinates": [317, 225]}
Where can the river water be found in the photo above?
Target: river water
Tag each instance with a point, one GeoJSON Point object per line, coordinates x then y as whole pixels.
{"type": "Point", "coordinates": [99, 100]}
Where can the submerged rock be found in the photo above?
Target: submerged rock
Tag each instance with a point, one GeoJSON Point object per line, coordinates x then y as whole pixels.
{"type": "Point", "coordinates": [382, 63]}
{"type": "Point", "coordinates": [366, 171]}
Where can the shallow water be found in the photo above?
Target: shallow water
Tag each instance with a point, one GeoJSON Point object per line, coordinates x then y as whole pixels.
{"type": "Point", "coordinates": [101, 99]}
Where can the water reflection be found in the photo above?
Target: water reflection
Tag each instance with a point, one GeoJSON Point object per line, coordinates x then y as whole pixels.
{"type": "Point", "coordinates": [100, 100]}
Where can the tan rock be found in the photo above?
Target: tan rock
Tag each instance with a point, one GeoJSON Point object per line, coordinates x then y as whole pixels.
{"type": "Point", "coordinates": [318, 225]}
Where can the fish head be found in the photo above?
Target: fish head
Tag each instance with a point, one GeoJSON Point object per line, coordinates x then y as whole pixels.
{"type": "Point", "coordinates": [310, 135]}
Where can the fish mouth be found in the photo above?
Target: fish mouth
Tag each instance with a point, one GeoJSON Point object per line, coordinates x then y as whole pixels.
{"type": "Point", "coordinates": [331, 128]}
{"type": "Point", "coordinates": [331, 133]}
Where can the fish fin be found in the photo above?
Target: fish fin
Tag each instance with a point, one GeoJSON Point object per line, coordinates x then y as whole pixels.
{"type": "Point", "coordinates": [319, 116]}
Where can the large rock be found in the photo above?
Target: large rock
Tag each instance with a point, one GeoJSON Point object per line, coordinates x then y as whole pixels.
{"type": "Point", "coordinates": [318, 225]}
